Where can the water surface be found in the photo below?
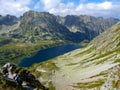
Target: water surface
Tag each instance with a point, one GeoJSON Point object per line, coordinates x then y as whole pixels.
{"type": "Point", "coordinates": [48, 53]}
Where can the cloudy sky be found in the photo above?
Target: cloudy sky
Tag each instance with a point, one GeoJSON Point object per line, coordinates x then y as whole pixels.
{"type": "Point", "coordinates": [104, 8]}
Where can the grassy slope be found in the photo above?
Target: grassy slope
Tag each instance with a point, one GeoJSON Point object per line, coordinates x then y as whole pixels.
{"type": "Point", "coordinates": [83, 68]}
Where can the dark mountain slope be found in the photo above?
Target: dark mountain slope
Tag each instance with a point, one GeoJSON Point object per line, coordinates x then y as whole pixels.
{"type": "Point", "coordinates": [89, 26]}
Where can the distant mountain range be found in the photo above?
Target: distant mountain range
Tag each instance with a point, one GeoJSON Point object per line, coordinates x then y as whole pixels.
{"type": "Point", "coordinates": [34, 26]}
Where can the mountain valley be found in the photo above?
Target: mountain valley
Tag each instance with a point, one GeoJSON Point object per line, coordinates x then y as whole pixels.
{"type": "Point", "coordinates": [93, 67]}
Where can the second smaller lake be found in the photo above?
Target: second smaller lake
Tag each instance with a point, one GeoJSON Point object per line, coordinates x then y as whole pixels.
{"type": "Point", "coordinates": [48, 53]}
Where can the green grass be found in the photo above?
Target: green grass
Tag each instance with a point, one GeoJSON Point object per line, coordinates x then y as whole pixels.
{"type": "Point", "coordinates": [106, 54]}
{"type": "Point", "coordinates": [89, 84]}
{"type": "Point", "coordinates": [105, 59]}
{"type": "Point", "coordinates": [116, 84]}
{"type": "Point", "coordinates": [51, 87]}
{"type": "Point", "coordinates": [71, 64]}
{"type": "Point", "coordinates": [117, 61]}
{"type": "Point", "coordinates": [48, 66]}
{"type": "Point", "coordinates": [85, 51]}
{"type": "Point", "coordinates": [104, 74]}
{"type": "Point", "coordinates": [118, 44]}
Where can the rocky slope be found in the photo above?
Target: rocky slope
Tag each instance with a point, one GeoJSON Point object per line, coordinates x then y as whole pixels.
{"type": "Point", "coordinates": [86, 68]}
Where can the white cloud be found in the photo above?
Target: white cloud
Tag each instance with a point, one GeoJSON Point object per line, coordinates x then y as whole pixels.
{"type": "Point", "coordinates": [48, 4]}
{"type": "Point", "coordinates": [94, 8]}
{"type": "Point", "coordinates": [55, 6]}
{"type": "Point", "coordinates": [108, 8]}
{"type": "Point", "coordinates": [63, 9]}
{"type": "Point", "coordinates": [14, 7]}
{"type": "Point", "coordinates": [105, 9]}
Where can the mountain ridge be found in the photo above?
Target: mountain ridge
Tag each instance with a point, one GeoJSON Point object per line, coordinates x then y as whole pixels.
{"type": "Point", "coordinates": [69, 28]}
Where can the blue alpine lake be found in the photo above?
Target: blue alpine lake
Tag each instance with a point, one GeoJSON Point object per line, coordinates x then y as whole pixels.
{"type": "Point", "coordinates": [48, 53]}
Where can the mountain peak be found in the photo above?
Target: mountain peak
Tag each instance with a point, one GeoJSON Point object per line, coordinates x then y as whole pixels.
{"type": "Point", "coordinates": [32, 13]}
{"type": "Point", "coordinates": [8, 20]}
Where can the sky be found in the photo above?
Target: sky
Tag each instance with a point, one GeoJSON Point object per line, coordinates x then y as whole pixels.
{"type": "Point", "coordinates": [98, 8]}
